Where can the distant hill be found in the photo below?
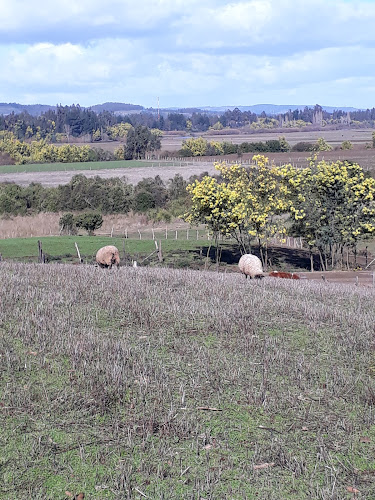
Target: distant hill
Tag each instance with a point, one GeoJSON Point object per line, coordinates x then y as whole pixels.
{"type": "Point", "coordinates": [32, 109]}
{"type": "Point", "coordinates": [38, 109]}
{"type": "Point", "coordinates": [116, 107]}
{"type": "Point", "coordinates": [272, 109]}
{"type": "Point", "coordinates": [126, 108]}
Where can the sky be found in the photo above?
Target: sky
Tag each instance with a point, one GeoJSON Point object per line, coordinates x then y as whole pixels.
{"type": "Point", "coordinates": [188, 53]}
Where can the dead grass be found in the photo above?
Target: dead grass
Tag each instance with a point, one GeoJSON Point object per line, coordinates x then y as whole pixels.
{"type": "Point", "coordinates": [46, 224]}
{"type": "Point", "coordinates": [157, 383]}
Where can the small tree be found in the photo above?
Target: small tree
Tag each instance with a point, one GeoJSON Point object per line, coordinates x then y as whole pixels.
{"type": "Point", "coordinates": [284, 145]}
{"type": "Point", "coordinates": [89, 221]}
{"type": "Point", "coordinates": [68, 224]}
{"type": "Point", "coordinates": [322, 145]}
{"type": "Point", "coordinates": [346, 145]}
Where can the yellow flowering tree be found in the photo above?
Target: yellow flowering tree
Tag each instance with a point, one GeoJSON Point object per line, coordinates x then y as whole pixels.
{"type": "Point", "coordinates": [332, 207]}
{"type": "Point", "coordinates": [247, 204]}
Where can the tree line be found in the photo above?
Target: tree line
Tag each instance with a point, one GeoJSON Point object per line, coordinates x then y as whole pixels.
{"type": "Point", "coordinates": [139, 141]}
{"type": "Point", "coordinates": [331, 206]}
{"type": "Point", "coordinates": [201, 147]}
{"type": "Point", "coordinates": [105, 196]}
{"type": "Point", "coordinates": [66, 123]}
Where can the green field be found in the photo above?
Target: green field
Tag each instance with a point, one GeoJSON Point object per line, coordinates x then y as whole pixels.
{"type": "Point", "coordinates": [176, 253]}
{"type": "Point", "coordinates": [93, 165]}
{"type": "Point", "coordinates": [174, 384]}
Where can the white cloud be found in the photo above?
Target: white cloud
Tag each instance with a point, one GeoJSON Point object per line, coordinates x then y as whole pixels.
{"type": "Point", "coordinates": [188, 53]}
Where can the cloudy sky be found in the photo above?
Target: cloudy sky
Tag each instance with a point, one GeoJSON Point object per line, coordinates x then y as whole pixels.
{"type": "Point", "coordinates": [188, 52]}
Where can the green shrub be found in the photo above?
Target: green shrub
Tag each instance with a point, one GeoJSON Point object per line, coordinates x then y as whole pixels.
{"type": "Point", "coordinates": [68, 224]}
{"type": "Point", "coordinates": [89, 221]}
{"type": "Point", "coordinates": [303, 146]}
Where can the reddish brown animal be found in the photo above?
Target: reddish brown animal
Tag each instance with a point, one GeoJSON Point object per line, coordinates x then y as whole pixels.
{"type": "Point", "coordinates": [288, 276]}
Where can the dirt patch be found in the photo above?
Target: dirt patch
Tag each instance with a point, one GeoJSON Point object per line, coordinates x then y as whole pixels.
{"type": "Point", "coordinates": [363, 278]}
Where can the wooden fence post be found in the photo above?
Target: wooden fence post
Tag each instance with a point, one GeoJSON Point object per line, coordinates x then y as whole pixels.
{"type": "Point", "coordinates": [78, 253]}
{"type": "Point", "coordinates": [41, 256]}
{"type": "Point", "coordinates": [160, 254]}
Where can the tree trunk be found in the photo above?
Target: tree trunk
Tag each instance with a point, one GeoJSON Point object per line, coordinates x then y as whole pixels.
{"type": "Point", "coordinates": [311, 261]}
{"type": "Point", "coordinates": [207, 257]}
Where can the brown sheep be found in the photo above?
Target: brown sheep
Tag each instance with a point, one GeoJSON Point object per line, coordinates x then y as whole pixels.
{"type": "Point", "coordinates": [108, 256]}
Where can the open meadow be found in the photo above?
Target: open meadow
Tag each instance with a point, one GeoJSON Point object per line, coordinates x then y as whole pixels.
{"type": "Point", "coordinates": [160, 383]}
{"type": "Point", "coordinates": [361, 136]}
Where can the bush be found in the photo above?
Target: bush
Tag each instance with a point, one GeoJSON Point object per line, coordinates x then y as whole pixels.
{"type": "Point", "coordinates": [346, 145]}
{"type": "Point", "coordinates": [89, 221]}
{"type": "Point", "coordinates": [68, 224]}
{"type": "Point", "coordinates": [143, 201]}
{"type": "Point", "coordinates": [322, 145]}
{"type": "Point", "coordinates": [303, 146]}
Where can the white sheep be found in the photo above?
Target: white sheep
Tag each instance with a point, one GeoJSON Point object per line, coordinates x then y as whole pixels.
{"type": "Point", "coordinates": [251, 265]}
{"type": "Point", "coordinates": [108, 256]}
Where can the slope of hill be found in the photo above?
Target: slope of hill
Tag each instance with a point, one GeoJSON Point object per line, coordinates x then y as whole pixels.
{"type": "Point", "coordinates": [32, 109]}
{"type": "Point", "coordinates": [125, 108]}
{"type": "Point", "coordinates": [116, 107]}
{"type": "Point", "coordinates": [273, 109]}
{"type": "Point", "coordinates": [159, 383]}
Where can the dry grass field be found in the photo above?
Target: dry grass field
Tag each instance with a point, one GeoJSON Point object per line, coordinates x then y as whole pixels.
{"type": "Point", "coordinates": [46, 224]}
{"type": "Point", "coordinates": [173, 142]}
{"type": "Point", "coordinates": [166, 384]}
{"type": "Point", "coordinates": [132, 175]}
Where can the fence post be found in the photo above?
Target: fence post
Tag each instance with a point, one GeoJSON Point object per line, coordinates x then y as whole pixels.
{"type": "Point", "coordinates": [197, 235]}
{"type": "Point", "coordinates": [78, 253]}
{"type": "Point", "coordinates": [160, 254]}
{"type": "Point", "coordinates": [187, 237]}
{"type": "Point", "coordinates": [140, 234]}
{"type": "Point", "coordinates": [166, 233]}
{"type": "Point", "coordinates": [41, 258]}
{"type": "Point", "coordinates": [112, 232]}
{"type": "Point", "coordinates": [176, 235]}
{"type": "Point", "coordinates": [153, 233]}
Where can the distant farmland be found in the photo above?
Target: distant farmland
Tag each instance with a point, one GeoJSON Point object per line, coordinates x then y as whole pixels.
{"type": "Point", "coordinates": [53, 174]}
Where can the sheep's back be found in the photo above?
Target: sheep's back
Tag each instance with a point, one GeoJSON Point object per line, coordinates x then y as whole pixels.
{"type": "Point", "coordinates": [108, 255]}
{"type": "Point", "coordinates": [250, 265]}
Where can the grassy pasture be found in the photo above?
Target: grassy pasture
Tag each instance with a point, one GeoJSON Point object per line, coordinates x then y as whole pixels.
{"type": "Point", "coordinates": [62, 167]}
{"type": "Point", "coordinates": [157, 383]}
{"type": "Point", "coordinates": [178, 253]}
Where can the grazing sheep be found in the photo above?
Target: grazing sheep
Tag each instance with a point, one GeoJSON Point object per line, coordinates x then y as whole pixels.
{"type": "Point", "coordinates": [107, 256]}
{"type": "Point", "coordinates": [251, 265]}
{"type": "Point", "coordinates": [288, 276]}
